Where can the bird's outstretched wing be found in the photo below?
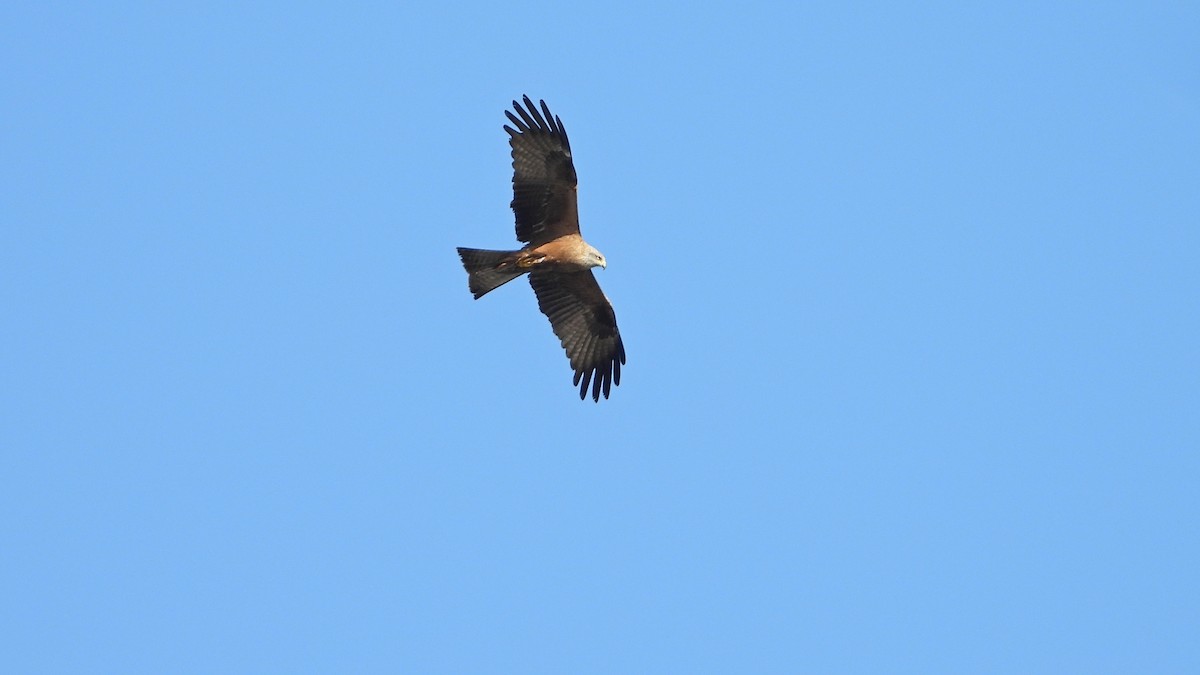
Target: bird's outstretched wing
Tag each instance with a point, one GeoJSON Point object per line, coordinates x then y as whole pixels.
{"type": "Point", "coordinates": [584, 322]}
{"type": "Point", "coordinates": [544, 197]}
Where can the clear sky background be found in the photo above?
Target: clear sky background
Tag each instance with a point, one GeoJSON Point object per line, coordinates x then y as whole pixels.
{"type": "Point", "coordinates": [910, 296]}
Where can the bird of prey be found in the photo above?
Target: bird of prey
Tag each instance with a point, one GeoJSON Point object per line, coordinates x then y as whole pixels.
{"type": "Point", "coordinates": [559, 262]}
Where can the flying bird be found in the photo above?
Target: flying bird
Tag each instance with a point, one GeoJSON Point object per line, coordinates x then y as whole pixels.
{"type": "Point", "coordinates": [556, 258]}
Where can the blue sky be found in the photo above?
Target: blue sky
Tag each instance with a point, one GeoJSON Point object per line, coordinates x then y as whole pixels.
{"type": "Point", "coordinates": [909, 294]}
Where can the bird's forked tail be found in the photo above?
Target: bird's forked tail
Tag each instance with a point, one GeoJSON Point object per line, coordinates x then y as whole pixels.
{"type": "Point", "coordinates": [488, 270]}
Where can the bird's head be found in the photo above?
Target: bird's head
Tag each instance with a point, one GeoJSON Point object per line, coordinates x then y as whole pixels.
{"type": "Point", "coordinates": [597, 258]}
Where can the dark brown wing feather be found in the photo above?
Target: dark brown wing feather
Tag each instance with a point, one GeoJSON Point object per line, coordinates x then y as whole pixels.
{"type": "Point", "coordinates": [584, 322]}
{"type": "Point", "coordinates": [544, 179]}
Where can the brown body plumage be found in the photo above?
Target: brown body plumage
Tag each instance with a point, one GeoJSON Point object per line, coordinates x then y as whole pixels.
{"type": "Point", "coordinates": [559, 262]}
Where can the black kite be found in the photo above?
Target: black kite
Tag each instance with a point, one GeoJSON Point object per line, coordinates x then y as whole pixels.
{"type": "Point", "coordinates": [559, 262]}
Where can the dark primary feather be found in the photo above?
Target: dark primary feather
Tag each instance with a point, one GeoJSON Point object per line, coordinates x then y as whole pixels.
{"type": "Point", "coordinates": [544, 178]}
{"type": "Point", "coordinates": [584, 322]}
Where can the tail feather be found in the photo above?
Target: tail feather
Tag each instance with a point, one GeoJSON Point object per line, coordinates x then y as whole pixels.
{"type": "Point", "coordinates": [483, 269]}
